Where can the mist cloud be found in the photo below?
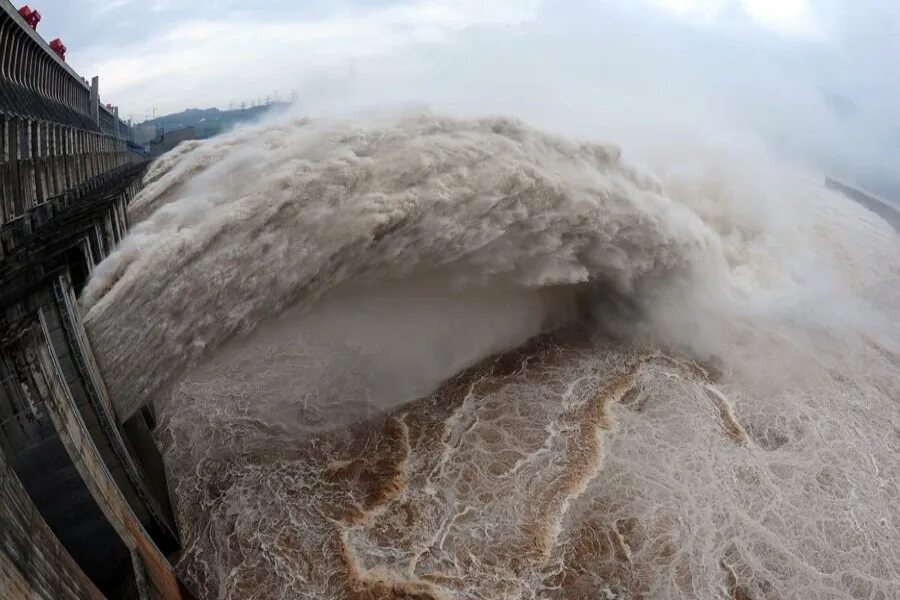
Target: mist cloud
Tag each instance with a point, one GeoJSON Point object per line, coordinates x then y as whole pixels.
{"type": "Point", "coordinates": [805, 79]}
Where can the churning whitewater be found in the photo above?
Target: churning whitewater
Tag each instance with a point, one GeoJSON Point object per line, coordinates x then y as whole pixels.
{"type": "Point", "coordinates": [413, 356]}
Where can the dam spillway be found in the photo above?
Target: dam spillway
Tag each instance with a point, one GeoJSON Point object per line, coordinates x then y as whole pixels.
{"type": "Point", "coordinates": [84, 509]}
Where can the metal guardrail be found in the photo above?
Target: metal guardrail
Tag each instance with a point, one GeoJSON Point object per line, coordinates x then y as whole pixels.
{"type": "Point", "coordinates": [28, 62]}
{"type": "Point", "coordinates": [54, 133]}
{"type": "Point", "coordinates": [42, 85]}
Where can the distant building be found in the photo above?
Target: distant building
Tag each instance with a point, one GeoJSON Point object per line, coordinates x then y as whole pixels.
{"type": "Point", "coordinates": [145, 133]}
{"type": "Point", "coordinates": [170, 139]}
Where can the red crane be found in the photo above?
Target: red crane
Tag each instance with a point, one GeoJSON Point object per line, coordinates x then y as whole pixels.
{"type": "Point", "coordinates": [58, 47]}
{"type": "Point", "coordinates": [32, 17]}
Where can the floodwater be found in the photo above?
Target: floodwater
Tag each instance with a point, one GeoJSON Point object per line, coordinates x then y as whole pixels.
{"type": "Point", "coordinates": [423, 357]}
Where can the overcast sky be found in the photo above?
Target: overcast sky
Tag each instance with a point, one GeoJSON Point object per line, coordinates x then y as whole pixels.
{"type": "Point", "coordinates": [818, 80]}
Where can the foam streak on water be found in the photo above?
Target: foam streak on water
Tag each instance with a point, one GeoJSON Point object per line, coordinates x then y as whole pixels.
{"type": "Point", "coordinates": [420, 357]}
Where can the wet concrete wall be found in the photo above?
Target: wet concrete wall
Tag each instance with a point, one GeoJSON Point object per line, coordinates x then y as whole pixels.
{"type": "Point", "coordinates": [84, 510]}
{"type": "Point", "coordinates": [33, 563]}
{"type": "Point", "coordinates": [58, 432]}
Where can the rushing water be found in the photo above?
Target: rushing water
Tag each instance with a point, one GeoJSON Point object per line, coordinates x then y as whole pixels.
{"type": "Point", "coordinates": [412, 356]}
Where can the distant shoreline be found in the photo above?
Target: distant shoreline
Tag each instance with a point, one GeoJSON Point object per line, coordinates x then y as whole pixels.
{"type": "Point", "coordinates": [882, 208]}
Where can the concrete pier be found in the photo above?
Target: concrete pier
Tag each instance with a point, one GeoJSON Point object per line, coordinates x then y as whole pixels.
{"type": "Point", "coordinates": [33, 563]}
{"type": "Point", "coordinates": [84, 508]}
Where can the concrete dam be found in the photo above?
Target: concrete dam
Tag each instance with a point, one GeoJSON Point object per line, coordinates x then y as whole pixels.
{"type": "Point", "coordinates": [84, 509]}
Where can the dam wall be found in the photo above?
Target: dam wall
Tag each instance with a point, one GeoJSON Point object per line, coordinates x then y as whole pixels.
{"type": "Point", "coordinates": [84, 507]}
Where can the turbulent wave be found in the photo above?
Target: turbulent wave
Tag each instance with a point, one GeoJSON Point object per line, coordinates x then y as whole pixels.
{"type": "Point", "coordinates": [412, 356]}
{"type": "Point", "coordinates": [239, 229]}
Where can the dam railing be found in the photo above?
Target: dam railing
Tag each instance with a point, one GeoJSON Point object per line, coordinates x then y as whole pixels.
{"type": "Point", "coordinates": [54, 132]}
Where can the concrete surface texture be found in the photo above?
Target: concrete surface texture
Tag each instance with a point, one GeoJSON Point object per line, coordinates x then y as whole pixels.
{"type": "Point", "coordinates": [84, 509]}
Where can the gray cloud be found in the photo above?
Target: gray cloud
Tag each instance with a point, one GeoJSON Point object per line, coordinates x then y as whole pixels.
{"type": "Point", "coordinates": [809, 79]}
